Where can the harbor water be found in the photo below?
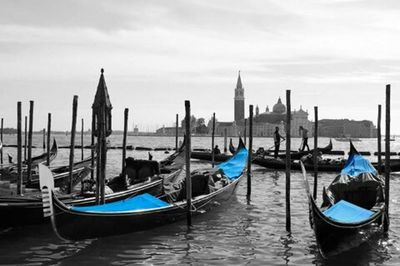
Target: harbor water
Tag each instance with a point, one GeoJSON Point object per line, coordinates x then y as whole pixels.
{"type": "Point", "coordinates": [236, 233]}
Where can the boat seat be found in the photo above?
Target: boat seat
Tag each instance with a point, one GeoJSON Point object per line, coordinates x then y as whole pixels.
{"type": "Point", "coordinates": [346, 212]}
{"type": "Point", "coordinates": [365, 197]}
{"type": "Point", "coordinates": [138, 203]}
{"type": "Point", "coordinates": [203, 182]}
{"type": "Point", "coordinates": [140, 170]}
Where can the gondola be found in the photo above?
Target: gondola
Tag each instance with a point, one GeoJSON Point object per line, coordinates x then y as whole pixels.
{"type": "Point", "coordinates": [353, 207]}
{"type": "Point", "coordinates": [80, 171]}
{"type": "Point", "coordinates": [207, 156]}
{"type": "Point", "coordinates": [324, 165]}
{"type": "Point", "coordinates": [7, 169]}
{"type": "Point", "coordinates": [347, 139]}
{"type": "Point", "coordinates": [299, 154]}
{"type": "Point", "coordinates": [143, 211]}
{"type": "Point", "coordinates": [43, 157]}
{"type": "Point", "coordinates": [263, 160]}
{"type": "Point", "coordinates": [27, 209]}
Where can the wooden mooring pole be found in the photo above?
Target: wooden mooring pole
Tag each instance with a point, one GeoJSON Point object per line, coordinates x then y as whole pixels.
{"type": "Point", "coordinates": [379, 139]}
{"type": "Point", "coordinates": [1, 139]}
{"type": "Point", "coordinates": [26, 137]}
{"type": "Point", "coordinates": [249, 158]}
{"type": "Point", "coordinates": [102, 139]}
{"type": "Point", "coordinates": [315, 155]}
{"type": "Point", "coordinates": [48, 138]}
{"type": "Point", "coordinates": [44, 138]}
{"type": "Point", "coordinates": [387, 157]}
{"type": "Point", "coordinates": [245, 132]}
{"type": "Point", "coordinates": [187, 160]}
{"type": "Point", "coordinates": [29, 168]}
{"type": "Point", "coordinates": [92, 148]}
{"type": "Point", "coordinates": [288, 160]}
{"type": "Point", "coordinates": [82, 129]}
{"type": "Point", "coordinates": [176, 132]}
{"type": "Point", "coordinates": [225, 140]}
{"type": "Point", "coordinates": [72, 146]}
{"type": "Point", "coordinates": [212, 142]}
{"type": "Point", "coordinates": [19, 152]}
{"type": "Point", "coordinates": [126, 113]}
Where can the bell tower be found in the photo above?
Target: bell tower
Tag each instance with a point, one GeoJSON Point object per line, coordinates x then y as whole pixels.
{"type": "Point", "coordinates": [239, 100]}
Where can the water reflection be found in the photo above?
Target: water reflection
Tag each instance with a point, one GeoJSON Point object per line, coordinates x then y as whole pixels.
{"type": "Point", "coordinates": [287, 241]}
{"type": "Point", "coordinates": [231, 234]}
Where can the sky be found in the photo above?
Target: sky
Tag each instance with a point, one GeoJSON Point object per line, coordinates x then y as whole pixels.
{"type": "Point", "coordinates": [335, 54]}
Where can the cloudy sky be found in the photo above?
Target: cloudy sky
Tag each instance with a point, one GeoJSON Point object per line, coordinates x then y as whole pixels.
{"type": "Point", "coordinates": [336, 54]}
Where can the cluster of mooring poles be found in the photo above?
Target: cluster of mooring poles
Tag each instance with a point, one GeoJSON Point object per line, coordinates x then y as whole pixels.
{"type": "Point", "coordinates": [101, 129]}
{"type": "Point", "coordinates": [26, 159]}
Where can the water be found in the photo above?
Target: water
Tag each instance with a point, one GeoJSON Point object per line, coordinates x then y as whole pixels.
{"type": "Point", "coordinates": [233, 234]}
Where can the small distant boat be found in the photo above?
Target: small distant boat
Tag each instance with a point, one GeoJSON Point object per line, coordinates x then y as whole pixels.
{"type": "Point", "coordinates": [210, 187]}
{"type": "Point", "coordinates": [299, 154]}
{"type": "Point", "coordinates": [347, 139]}
{"type": "Point", "coordinates": [270, 161]}
{"type": "Point", "coordinates": [8, 168]}
{"type": "Point", "coordinates": [353, 207]}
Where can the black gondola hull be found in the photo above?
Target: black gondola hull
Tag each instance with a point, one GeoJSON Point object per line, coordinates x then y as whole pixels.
{"type": "Point", "coordinates": [23, 210]}
{"type": "Point", "coordinates": [74, 225]}
{"type": "Point", "coordinates": [333, 237]}
{"type": "Point", "coordinates": [278, 164]}
{"type": "Point", "coordinates": [207, 156]}
{"type": "Point", "coordinates": [28, 209]}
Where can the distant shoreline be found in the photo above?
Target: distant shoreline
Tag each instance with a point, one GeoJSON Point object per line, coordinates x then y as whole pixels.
{"type": "Point", "coordinates": [86, 133]}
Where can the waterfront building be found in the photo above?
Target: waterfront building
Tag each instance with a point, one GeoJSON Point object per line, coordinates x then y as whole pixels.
{"type": "Point", "coordinates": [346, 128]}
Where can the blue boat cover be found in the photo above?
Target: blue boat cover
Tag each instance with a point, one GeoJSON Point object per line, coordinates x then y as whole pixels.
{"type": "Point", "coordinates": [346, 212]}
{"type": "Point", "coordinates": [141, 202]}
{"type": "Point", "coordinates": [234, 167]}
{"type": "Point", "coordinates": [356, 165]}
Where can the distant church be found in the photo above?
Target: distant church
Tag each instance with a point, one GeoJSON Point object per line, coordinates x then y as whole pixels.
{"type": "Point", "coordinates": [264, 123]}
{"type": "Point", "coordinates": [239, 100]}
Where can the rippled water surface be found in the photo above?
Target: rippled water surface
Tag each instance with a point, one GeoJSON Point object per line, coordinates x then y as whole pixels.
{"type": "Point", "coordinates": [236, 233]}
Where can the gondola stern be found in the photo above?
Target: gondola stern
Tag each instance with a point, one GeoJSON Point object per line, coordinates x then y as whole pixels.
{"type": "Point", "coordinates": [231, 147]}
{"type": "Point", "coordinates": [182, 147]}
{"type": "Point", "coordinates": [353, 149]}
{"type": "Point", "coordinates": [330, 145]}
{"type": "Point", "coordinates": [241, 144]}
{"type": "Point", "coordinates": [54, 146]}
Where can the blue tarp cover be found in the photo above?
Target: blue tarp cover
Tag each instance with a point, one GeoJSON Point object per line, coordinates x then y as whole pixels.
{"type": "Point", "coordinates": [346, 212]}
{"type": "Point", "coordinates": [140, 202]}
{"type": "Point", "coordinates": [234, 167]}
{"type": "Point", "coordinates": [356, 165]}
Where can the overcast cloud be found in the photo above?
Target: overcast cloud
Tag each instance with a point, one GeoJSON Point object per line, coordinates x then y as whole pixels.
{"type": "Point", "coordinates": [338, 55]}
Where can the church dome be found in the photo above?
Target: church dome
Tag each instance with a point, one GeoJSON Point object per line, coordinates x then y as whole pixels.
{"type": "Point", "coordinates": [279, 107]}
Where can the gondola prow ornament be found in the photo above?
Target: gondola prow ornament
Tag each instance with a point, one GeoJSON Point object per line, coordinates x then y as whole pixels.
{"type": "Point", "coordinates": [102, 114]}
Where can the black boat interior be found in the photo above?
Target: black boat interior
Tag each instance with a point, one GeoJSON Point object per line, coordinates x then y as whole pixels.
{"type": "Point", "coordinates": [137, 171]}
{"type": "Point", "coordinates": [204, 182]}
{"type": "Point", "coordinates": [364, 190]}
